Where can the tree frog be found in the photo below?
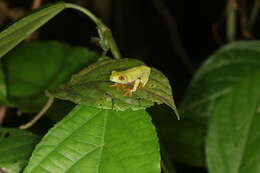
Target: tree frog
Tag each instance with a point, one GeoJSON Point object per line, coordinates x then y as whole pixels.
{"type": "Point", "coordinates": [138, 76]}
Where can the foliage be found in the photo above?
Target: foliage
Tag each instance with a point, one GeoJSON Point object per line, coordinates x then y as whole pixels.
{"type": "Point", "coordinates": [98, 129]}
{"type": "Point", "coordinates": [224, 99]}
{"type": "Point", "coordinates": [98, 140]}
{"type": "Point", "coordinates": [92, 87]}
{"type": "Point", "coordinates": [16, 148]}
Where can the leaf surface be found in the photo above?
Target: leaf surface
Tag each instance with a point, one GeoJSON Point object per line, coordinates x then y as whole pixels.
{"type": "Point", "coordinates": [234, 134]}
{"type": "Point", "coordinates": [92, 87]}
{"type": "Point", "coordinates": [29, 70]}
{"type": "Point", "coordinates": [16, 147]}
{"type": "Point", "coordinates": [226, 91]}
{"type": "Point", "coordinates": [15, 33]}
{"type": "Point", "coordinates": [98, 141]}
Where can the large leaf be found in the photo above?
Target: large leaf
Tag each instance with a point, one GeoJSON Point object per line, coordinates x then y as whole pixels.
{"type": "Point", "coordinates": [233, 143]}
{"type": "Point", "coordinates": [32, 68]}
{"type": "Point", "coordinates": [216, 78]}
{"type": "Point", "coordinates": [92, 87]}
{"type": "Point", "coordinates": [16, 147]}
{"type": "Point", "coordinates": [14, 34]}
{"type": "Point", "coordinates": [98, 141]}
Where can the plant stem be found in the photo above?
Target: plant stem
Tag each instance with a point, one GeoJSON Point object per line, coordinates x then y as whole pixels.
{"type": "Point", "coordinates": [85, 11]}
{"type": "Point", "coordinates": [243, 20]}
{"type": "Point", "coordinates": [2, 114]}
{"type": "Point", "coordinates": [231, 20]}
{"type": "Point", "coordinates": [107, 40]}
{"type": "Point", "coordinates": [39, 115]}
{"type": "Point", "coordinates": [253, 14]}
{"type": "Point", "coordinates": [36, 4]}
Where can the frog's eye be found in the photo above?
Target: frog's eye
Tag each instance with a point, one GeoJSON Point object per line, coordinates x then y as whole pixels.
{"type": "Point", "coordinates": [121, 78]}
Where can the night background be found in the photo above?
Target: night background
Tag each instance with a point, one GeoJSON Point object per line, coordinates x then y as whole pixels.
{"type": "Point", "coordinates": [173, 36]}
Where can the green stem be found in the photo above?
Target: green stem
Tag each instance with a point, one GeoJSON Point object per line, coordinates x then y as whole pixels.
{"type": "Point", "coordinates": [87, 12]}
{"type": "Point", "coordinates": [253, 14]}
{"type": "Point", "coordinates": [39, 115]}
{"type": "Point", "coordinates": [231, 20]}
{"type": "Point", "coordinates": [107, 40]}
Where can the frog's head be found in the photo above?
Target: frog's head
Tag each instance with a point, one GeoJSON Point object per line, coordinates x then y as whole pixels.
{"type": "Point", "coordinates": [118, 77]}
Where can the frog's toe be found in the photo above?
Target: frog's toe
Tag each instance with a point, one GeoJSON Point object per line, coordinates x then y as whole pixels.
{"type": "Point", "coordinates": [129, 92]}
{"type": "Point", "coordinates": [141, 85]}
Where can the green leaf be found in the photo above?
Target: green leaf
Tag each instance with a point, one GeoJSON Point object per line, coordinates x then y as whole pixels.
{"type": "Point", "coordinates": [16, 147]}
{"type": "Point", "coordinates": [14, 34]}
{"type": "Point", "coordinates": [3, 88]}
{"type": "Point", "coordinates": [92, 87]}
{"type": "Point", "coordinates": [234, 132]}
{"type": "Point", "coordinates": [215, 79]}
{"type": "Point", "coordinates": [98, 141]}
{"type": "Point", "coordinates": [29, 70]}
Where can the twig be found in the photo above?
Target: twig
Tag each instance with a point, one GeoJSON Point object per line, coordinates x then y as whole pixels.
{"type": "Point", "coordinates": [253, 14]}
{"type": "Point", "coordinates": [8, 13]}
{"type": "Point", "coordinates": [174, 35]}
{"type": "Point", "coordinates": [216, 35]}
{"type": "Point", "coordinates": [36, 4]}
{"type": "Point", "coordinates": [216, 29]}
{"type": "Point", "coordinates": [2, 114]}
{"type": "Point", "coordinates": [231, 20]}
{"type": "Point", "coordinates": [39, 115]}
{"type": "Point", "coordinates": [107, 41]}
{"type": "Point", "coordinates": [243, 20]}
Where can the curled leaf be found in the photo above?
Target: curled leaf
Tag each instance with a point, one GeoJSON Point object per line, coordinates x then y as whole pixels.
{"type": "Point", "coordinates": [91, 87]}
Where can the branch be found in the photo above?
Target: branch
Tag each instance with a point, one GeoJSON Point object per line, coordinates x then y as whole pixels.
{"type": "Point", "coordinates": [39, 115]}
{"type": "Point", "coordinates": [231, 20]}
{"type": "Point", "coordinates": [253, 14]}
{"type": "Point", "coordinates": [36, 4]}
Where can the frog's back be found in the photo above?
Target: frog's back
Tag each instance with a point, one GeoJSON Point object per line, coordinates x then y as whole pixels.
{"type": "Point", "coordinates": [137, 72]}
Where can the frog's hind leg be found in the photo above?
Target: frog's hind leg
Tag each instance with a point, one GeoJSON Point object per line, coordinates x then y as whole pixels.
{"type": "Point", "coordinates": [136, 84]}
{"type": "Point", "coordinates": [141, 85]}
{"type": "Point", "coordinates": [129, 91]}
{"type": "Point", "coordinates": [145, 78]}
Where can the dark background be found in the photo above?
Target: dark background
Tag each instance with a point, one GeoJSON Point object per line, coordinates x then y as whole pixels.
{"type": "Point", "coordinates": [161, 34]}
{"type": "Point", "coordinates": [151, 30]}
{"type": "Point", "coordinates": [141, 31]}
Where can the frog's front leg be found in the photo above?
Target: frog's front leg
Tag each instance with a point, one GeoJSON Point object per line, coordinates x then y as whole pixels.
{"type": "Point", "coordinates": [118, 85]}
{"type": "Point", "coordinates": [136, 84]}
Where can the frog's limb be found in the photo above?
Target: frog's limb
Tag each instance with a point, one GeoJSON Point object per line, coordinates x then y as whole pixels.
{"type": "Point", "coordinates": [128, 92]}
{"type": "Point", "coordinates": [145, 77]}
{"type": "Point", "coordinates": [136, 84]}
{"type": "Point", "coordinates": [118, 85]}
{"type": "Point", "coordinates": [141, 85]}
